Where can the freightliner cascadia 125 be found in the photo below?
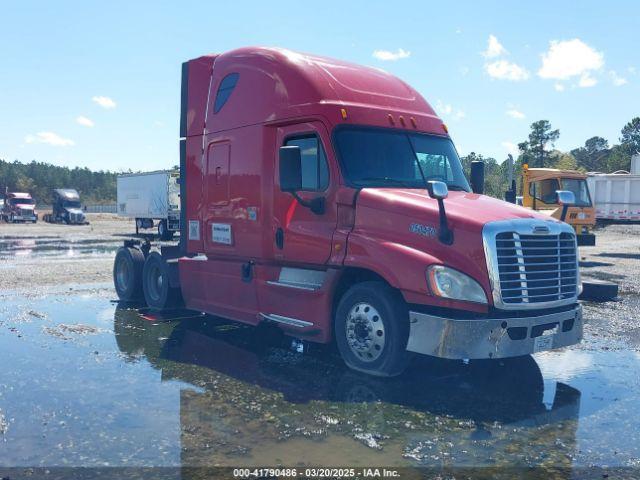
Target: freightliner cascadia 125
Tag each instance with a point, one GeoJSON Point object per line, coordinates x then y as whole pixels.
{"type": "Point", "coordinates": [328, 198]}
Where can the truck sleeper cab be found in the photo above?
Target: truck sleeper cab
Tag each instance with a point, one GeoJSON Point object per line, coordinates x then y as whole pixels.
{"type": "Point", "coordinates": [328, 198]}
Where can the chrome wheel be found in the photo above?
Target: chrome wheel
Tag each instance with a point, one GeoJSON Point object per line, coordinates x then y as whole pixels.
{"type": "Point", "coordinates": [365, 332]}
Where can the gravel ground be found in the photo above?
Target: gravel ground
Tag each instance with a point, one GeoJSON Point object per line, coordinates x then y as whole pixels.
{"type": "Point", "coordinates": [43, 255]}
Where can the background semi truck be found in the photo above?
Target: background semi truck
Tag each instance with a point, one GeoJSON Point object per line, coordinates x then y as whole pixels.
{"type": "Point", "coordinates": [617, 195]}
{"type": "Point", "coordinates": [66, 208]}
{"type": "Point", "coordinates": [327, 198]}
{"type": "Point", "coordinates": [151, 197]}
{"type": "Point", "coordinates": [19, 207]}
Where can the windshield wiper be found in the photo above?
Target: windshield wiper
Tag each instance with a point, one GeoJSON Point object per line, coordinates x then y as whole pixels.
{"type": "Point", "coordinates": [456, 188]}
{"type": "Point", "coordinates": [393, 181]}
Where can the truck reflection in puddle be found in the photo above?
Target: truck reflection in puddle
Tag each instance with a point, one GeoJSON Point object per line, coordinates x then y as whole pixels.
{"type": "Point", "coordinates": [255, 402]}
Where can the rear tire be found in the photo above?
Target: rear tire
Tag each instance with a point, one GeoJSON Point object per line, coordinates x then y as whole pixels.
{"type": "Point", "coordinates": [372, 329]}
{"type": "Point", "coordinates": [158, 292]}
{"type": "Point", "coordinates": [127, 273]}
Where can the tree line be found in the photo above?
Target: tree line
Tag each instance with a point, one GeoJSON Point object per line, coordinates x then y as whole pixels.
{"type": "Point", "coordinates": [39, 179]}
{"type": "Point", "coordinates": [537, 151]}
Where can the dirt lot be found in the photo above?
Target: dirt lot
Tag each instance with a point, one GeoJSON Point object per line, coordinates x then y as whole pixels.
{"type": "Point", "coordinates": [35, 256]}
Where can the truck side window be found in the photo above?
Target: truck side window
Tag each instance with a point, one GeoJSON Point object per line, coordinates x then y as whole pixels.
{"type": "Point", "coordinates": [315, 172]}
{"type": "Point", "coordinates": [545, 190]}
{"type": "Point", "coordinates": [227, 85]}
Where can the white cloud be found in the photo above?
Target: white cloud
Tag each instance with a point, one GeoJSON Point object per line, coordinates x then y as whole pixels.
{"type": "Point", "coordinates": [569, 58]}
{"type": "Point", "coordinates": [559, 87]}
{"type": "Point", "coordinates": [514, 113]}
{"type": "Point", "coordinates": [450, 111]}
{"type": "Point", "coordinates": [616, 79]}
{"type": "Point", "coordinates": [511, 148]}
{"type": "Point", "coordinates": [505, 70]}
{"type": "Point", "coordinates": [386, 55]}
{"type": "Point", "coordinates": [104, 102]}
{"type": "Point", "coordinates": [49, 138]}
{"type": "Point", "coordinates": [564, 365]}
{"type": "Point", "coordinates": [494, 48]}
{"type": "Point", "coordinates": [84, 121]}
{"type": "Point", "coordinates": [586, 80]}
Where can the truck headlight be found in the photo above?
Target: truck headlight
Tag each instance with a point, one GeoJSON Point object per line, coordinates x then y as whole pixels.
{"type": "Point", "coordinates": [449, 283]}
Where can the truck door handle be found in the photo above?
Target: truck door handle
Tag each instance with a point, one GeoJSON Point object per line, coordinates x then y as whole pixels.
{"type": "Point", "coordinates": [280, 238]}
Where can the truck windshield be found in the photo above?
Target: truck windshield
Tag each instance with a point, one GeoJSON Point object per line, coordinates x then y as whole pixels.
{"type": "Point", "coordinates": [374, 157]}
{"type": "Point", "coordinates": [21, 201]}
{"type": "Point", "coordinates": [579, 188]}
{"type": "Point", "coordinates": [71, 204]}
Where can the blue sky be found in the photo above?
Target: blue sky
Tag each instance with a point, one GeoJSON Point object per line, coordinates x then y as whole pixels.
{"type": "Point", "coordinates": [97, 83]}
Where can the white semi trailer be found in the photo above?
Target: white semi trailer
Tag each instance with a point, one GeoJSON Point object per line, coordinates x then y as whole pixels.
{"type": "Point", "coordinates": [616, 196]}
{"type": "Point", "coordinates": [151, 198]}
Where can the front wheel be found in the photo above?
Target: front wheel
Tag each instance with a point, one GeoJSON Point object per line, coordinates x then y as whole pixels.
{"type": "Point", "coordinates": [372, 329]}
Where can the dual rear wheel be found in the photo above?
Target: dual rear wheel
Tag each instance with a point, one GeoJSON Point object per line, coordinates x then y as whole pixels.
{"type": "Point", "coordinates": [137, 277]}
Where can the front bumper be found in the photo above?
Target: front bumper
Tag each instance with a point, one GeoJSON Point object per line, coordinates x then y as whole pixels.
{"type": "Point", "coordinates": [493, 337]}
{"type": "Point", "coordinates": [25, 218]}
{"type": "Point", "coordinates": [586, 239]}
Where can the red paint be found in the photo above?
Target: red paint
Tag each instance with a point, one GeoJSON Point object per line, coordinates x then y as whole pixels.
{"type": "Point", "coordinates": [231, 178]}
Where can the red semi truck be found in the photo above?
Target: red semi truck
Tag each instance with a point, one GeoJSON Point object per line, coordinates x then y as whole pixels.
{"type": "Point", "coordinates": [19, 207]}
{"type": "Point", "coordinates": [328, 198]}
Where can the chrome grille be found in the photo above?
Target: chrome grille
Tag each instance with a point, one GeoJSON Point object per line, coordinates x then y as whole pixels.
{"type": "Point", "coordinates": [536, 268]}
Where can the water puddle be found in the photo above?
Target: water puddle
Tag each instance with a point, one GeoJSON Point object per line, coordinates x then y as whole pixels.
{"type": "Point", "coordinates": [55, 247]}
{"type": "Point", "coordinates": [91, 383]}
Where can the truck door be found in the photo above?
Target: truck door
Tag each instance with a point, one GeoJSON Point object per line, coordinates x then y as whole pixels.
{"type": "Point", "coordinates": [301, 236]}
{"type": "Point", "coordinates": [218, 234]}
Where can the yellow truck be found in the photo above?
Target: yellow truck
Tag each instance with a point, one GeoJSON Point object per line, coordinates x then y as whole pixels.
{"type": "Point", "coordinates": [539, 186]}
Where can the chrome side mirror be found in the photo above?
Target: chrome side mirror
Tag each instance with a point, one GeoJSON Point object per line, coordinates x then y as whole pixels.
{"type": "Point", "coordinates": [565, 197]}
{"type": "Point", "coordinates": [437, 189]}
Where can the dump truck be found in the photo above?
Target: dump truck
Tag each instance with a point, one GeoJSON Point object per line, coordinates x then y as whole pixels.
{"type": "Point", "coordinates": [66, 208]}
{"type": "Point", "coordinates": [19, 207]}
{"type": "Point", "coordinates": [327, 198]}
{"type": "Point", "coordinates": [616, 195]}
{"type": "Point", "coordinates": [539, 187]}
{"type": "Point", "coordinates": [151, 198]}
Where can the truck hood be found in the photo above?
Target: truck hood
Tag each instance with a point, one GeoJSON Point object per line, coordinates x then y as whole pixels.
{"type": "Point", "coordinates": [25, 206]}
{"type": "Point", "coordinates": [395, 234]}
{"type": "Point", "coordinates": [469, 210]}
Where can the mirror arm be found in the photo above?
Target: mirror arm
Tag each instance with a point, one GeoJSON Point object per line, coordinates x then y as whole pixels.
{"type": "Point", "coordinates": [445, 234]}
{"type": "Point", "coordinates": [316, 205]}
{"type": "Point", "coordinates": [563, 215]}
